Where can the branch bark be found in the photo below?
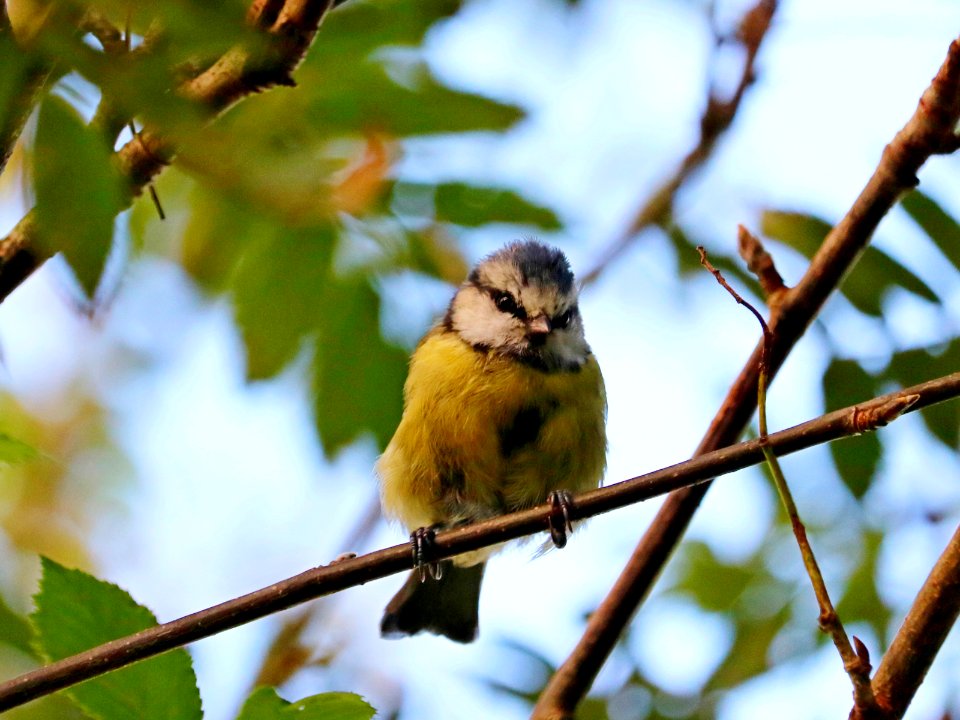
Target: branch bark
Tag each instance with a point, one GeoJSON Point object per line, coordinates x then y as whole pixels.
{"type": "Point", "coordinates": [291, 24]}
{"type": "Point", "coordinates": [33, 78]}
{"type": "Point", "coordinates": [924, 629]}
{"type": "Point", "coordinates": [930, 131]}
{"type": "Point", "coordinates": [329, 579]}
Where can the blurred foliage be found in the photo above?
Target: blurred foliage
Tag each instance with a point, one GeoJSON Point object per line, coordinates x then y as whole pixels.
{"type": "Point", "coordinates": [78, 191]}
{"type": "Point", "coordinates": [13, 451]}
{"type": "Point", "coordinates": [876, 272]}
{"type": "Point", "coordinates": [293, 227]}
{"type": "Point", "coordinates": [15, 631]}
{"type": "Point", "coordinates": [846, 383]}
{"type": "Point", "coordinates": [938, 225]}
{"type": "Point", "coordinates": [61, 456]}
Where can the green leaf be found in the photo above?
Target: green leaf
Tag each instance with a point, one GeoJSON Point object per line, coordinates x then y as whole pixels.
{"type": "Point", "coordinates": [470, 205]}
{"type": "Point", "coordinates": [716, 586]}
{"type": "Point", "coordinates": [366, 99]}
{"type": "Point", "coordinates": [76, 612]}
{"type": "Point", "coordinates": [356, 29]}
{"type": "Point", "coordinates": [79, 192]}
{"type": "Point", "coordinates": [875, 273]}
{"type": "Point", "coordinates": [285, 293]}
{"type": "Point", "coordinates": [473, 206]}
{"type": "Point", "coordinates": [861, 602]}
{"type": "Point", "coordinates": [433, 253]}
{"type": "Point", "coordinates": [265, 704]}
{"type": "Point", "coordinates": [20, 69]}
{"type": "Point", "coordinates": [750, 650]}
{"type": "Point", "coordinates": [280, 295]}
{"type": "Point", "coordinates": [845, 383]}
{"type": "Point", "coordinates": [939, 226]}
{"type": "Point", "coordinates": [358, 377]}
{"type": "Point", "coordinates": [911, 367]}
{"type": "Point", "coordinates": [15, 630]}
{"type": "Point", "coordinates": [732, 589]}
{"type": "Point", "coordinates": [14, 452]}
{"type": "Point", "coordinates": [217, 234]}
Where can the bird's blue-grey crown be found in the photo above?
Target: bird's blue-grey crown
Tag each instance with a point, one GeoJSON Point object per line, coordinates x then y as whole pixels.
{"type": "Point", "coordinates": [538, 263]}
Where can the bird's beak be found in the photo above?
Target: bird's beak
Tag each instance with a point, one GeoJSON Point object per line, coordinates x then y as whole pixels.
{"type": "Point", "coordinates": [539, 326]}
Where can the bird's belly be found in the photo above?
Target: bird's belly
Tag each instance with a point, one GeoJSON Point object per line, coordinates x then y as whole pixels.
{"type": "Point", "coordinates": [481, 436]}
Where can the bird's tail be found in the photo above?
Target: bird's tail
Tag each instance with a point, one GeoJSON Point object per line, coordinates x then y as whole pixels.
{"type": "Point", "coordinates": [448, 606]}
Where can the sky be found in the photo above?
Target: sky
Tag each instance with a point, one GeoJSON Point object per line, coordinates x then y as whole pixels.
{"type": "Point", "coordinates": [614, 91]}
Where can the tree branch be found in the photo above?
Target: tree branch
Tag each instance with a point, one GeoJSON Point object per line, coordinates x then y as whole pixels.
{"type": "Point", "coordinates": [856, 662]}
{"type": "Point", "coordinates": [338, 576]}
{"type": "Point", "coordinates": [929, 131]}
{"type": "Point", "coordinates": [924, 629]}
{"type": "Point", "coordinates": [33, 77]}
{"type": "Point", "coordinates": [237, 74]}
{"type": "Point", "coordinates": [716, 119]}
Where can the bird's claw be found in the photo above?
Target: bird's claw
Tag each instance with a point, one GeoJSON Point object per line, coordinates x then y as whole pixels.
{"type": "Point", "coordinates": [422, 543]}
{"type": "Point", "coordinates": [559, 523]}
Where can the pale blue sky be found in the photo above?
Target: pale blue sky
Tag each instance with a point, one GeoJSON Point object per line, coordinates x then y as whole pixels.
{"type": "Point", "coordinates": [238, 494]}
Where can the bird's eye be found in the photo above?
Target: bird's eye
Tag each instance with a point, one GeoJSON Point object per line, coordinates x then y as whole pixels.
{"type": "Point", "coordinates": [563, 319]}
{"type": "Point", "coordinates": [506, 304]}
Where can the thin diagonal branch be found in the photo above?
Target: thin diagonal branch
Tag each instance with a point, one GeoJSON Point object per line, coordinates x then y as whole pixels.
{"type": "Point", "coordinates": [236, 75]}
{"type": "Point", "coordinates": [856, 662]}
{"type": "Point", "coordinates": [717, 117]}
{"type": "Point", "coordinates": [761, 264]}
{"type": "Point", "coordinates": [359, 570]}
{"type": "Point", "coordinates": [31, 79]}
{"type": "Point", "coordinates": [928, 132]}
{"type": "Point", "coordinates": [924, 629]}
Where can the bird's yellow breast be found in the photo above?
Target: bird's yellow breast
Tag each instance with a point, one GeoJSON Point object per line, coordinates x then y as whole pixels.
{"type": "Point", "coordinates": [483, 434]}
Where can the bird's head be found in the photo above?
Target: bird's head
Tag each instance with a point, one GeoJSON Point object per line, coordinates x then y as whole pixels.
{"type": "Point", "coordinates": [521, 302]}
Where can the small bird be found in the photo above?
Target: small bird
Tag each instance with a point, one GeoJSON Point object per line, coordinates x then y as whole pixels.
{"type": "Point", "coordinates": [504, 409]}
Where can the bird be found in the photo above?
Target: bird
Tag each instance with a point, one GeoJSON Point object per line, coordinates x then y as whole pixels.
{"type": "Point", "coordinates": [504, 409]}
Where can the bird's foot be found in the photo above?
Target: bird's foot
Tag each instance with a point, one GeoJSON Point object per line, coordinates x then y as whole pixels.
{"type": "Point", "coordinates": [422, 544]}
{"type": "Point", "coordinates": [561, 502]}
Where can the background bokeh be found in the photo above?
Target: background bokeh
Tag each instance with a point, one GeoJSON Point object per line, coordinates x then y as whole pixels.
{"type": "Point", "coordinates": [208, 423]}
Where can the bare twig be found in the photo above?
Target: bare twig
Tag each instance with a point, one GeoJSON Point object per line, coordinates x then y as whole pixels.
{"type": "Point", "coordinates": [236, 75]}
{"type": "Point", "coordinates": [359, 570]}
{"type": "Point", "coordinates": [924, 629]}
{"type": "Point", "coordinates": [855, 663]}
{"type": "Point", "coordinates": [760, 263]}
{"type": "Point", "coordinates": [929, 131]}
{"type": "Point", "coordinates": [717, 117]}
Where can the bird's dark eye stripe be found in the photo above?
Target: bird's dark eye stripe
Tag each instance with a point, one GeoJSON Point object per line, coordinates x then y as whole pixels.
{"type": "Point", "coordinates": [505, 303]}
{"type": "Point", "coordinates": [563, 319]}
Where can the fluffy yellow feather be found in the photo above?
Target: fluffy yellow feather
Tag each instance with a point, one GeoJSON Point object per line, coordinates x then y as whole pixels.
{"type": "Point", "coordinates": [459, 403]}
{"type": "Point", "coordinates": [503, 406]}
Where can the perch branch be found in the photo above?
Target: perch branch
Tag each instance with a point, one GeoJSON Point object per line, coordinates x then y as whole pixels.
{"type": "Point", "coordinates": [928, 132]}
{"type": "Point", "coordinates": [329, 579]}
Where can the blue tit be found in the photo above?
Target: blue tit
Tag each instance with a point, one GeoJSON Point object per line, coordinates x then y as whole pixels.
{"type": "Point", "coordinates": [504, 405]}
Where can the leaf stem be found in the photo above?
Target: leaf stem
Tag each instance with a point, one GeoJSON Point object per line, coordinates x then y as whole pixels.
{"type": "Point", "coordinates": [855, 663]}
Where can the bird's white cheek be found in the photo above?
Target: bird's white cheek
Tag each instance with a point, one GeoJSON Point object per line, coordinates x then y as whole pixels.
{"type": "Point", "coordinates": [478, 326]}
